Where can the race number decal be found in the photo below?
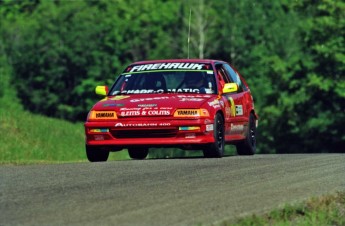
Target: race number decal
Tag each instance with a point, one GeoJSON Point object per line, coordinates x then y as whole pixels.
{"type": "Point", "coordinates": [239, 110]}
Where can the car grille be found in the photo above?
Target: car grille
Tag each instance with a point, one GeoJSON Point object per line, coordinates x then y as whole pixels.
{"type": "Point", "coordinates": [145, 133]}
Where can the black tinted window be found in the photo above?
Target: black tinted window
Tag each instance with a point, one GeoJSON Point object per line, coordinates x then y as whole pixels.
{"type": "Point", "coordinates": [168, 81]}
{"type": "Point", "coordinates": [235, 77]}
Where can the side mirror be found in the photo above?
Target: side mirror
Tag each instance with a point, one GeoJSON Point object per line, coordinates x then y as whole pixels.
{"type": "Point", "coordinates": [101, 90]}
{"type": "Point", "coordinates": [230, 88]}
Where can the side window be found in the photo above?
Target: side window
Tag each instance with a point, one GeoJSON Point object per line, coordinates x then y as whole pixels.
{"type": "Point", "coordinates": [222, 75]}
{"type": "Point", "coordinates": [235, 77]}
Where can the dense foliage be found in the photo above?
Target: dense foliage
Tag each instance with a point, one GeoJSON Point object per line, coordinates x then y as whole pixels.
{"type": "Point", "coordinates": [292, 55]}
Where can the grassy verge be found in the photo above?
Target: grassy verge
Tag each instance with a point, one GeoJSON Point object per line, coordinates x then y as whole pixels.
{"type": "Point", "coordinates": [325, 210]}
{"type": "Point", "coordinates": [26, 138]}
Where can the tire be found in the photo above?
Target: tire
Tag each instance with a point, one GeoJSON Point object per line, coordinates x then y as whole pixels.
{"type": "Point", "coordinates": [138, 153]}
{"type": "Point", "coordinates": [216, 149]}
{"type": "Point", "coordinates": [248, 145]}
{"type": "Point", "coordinates": [95, 154]}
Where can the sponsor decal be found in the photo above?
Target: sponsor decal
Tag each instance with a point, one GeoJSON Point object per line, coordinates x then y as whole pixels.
{"type": "Point", "coordinates": [113, 105]}
{"type": "Point", "coordinates": [191, 112]}
{"type": "Point", "coordinates": [187, 128]}
{"type": "Point", "coordinates": [148, 99]}
{"type": "Point", "coordinates": [236, 128]}
{"type": "Point", "coordinates": [119, 124]}
{"type": "Point", "coordinates": [130, 113]}
{"type": "Point", "coordinates": [209, 127]}
{"type": "Point", "coordinates": [184, 90]}
{"type": "Point", "coordinates": [103, 115]}
{"type": "Point", "coordinates": [191, 99]}
{"type": "Point", "coordinates": [142, 91]}
{"type": "Point", "coordinates": [190, 135]}
{"type": "Point", "coordinates": [194, 96]}
{"type": "Point", "coordinates": [214, 104]}
{"type": "Point", "coordinates": [166, 66]}
{"type": "Point", "coordinates": [101, 130]}
{"type": "Point", "coordinates": [130, 109]}
{"type": "Point", "coordinates": [144, 112]}
{"type": "Point", "coordinates": [187, 112]}
{"type": "Point", "coordinates": [147, 105]}
{"type": "Point", "coordinates": [239, 110]}
{"type": "Point", "coordinates": [156, 112]}
{"type": "Point", "coordinates": [160, 91]}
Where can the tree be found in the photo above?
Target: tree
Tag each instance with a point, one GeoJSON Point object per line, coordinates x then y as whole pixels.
{"type": "Point", "coordinates": [199, 22]}
{"type": "Point", "coordinates": [62, 50]}
{"type": "Point", "coordinates": [259, 39]}
{"type": "Point", "coordinates": [318, 85]}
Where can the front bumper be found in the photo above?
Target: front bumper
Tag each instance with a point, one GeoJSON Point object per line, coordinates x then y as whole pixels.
{"type": "Point", "coordinates": [153, 132]}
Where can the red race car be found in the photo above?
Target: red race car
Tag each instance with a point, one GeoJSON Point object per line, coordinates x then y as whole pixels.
{"type": "Point", "coordinates": [192, 104]}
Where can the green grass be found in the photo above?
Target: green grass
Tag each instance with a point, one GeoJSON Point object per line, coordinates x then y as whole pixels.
{"type": "Point", "coordinates": [325, 210]}
{"type": "Point", "coordinates": [28, 138]}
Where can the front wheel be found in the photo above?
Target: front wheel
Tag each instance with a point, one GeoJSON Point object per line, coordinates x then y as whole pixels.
{"type": "Point", "coordinates": [95, 154]}
{"type": "Point", "coordinates": [138, 153]}
{"type": "Point", "coordinates": [216, 149]}
{"type": "Point", "coordinates": [248, 145]}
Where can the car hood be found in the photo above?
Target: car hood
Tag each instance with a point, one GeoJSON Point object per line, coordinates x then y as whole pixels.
{"type": "Point", "coordinates": [151, 104]}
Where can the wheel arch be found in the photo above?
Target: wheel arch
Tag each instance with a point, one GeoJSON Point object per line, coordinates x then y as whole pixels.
{"type": "Point", "coordinates": [256, 116]}
{"type": "Point", "coordinates": [221, 113]}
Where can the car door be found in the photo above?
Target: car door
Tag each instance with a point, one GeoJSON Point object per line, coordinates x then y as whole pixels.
{"type": "Point", "coordinates": [237, 119]}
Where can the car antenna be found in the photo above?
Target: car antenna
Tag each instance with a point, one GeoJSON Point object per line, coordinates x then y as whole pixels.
{"type": "Point", "coordinates": [190, 14]}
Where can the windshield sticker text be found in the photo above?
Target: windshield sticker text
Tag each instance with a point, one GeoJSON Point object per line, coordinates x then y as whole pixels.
{"type": "Point", "coordinates": [164, 66]}
{"type": "Point", "coordinates": [148, 91]}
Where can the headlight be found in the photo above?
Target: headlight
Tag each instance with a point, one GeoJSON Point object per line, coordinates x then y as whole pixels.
{"type": "Point", "coordinates": [183, 113]}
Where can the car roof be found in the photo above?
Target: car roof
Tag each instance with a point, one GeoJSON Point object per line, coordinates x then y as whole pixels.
{"type": "Point", "coordinates": [206, 61]}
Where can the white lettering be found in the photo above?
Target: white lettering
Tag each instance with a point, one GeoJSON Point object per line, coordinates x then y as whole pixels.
{"type": "Point", "coordinates": [136, 68]}
{"type": "Point", "coordinates": [158, 112]}
{"type": "Point", "coordinates": [147, 99]}
{"type": "Point", "coordinates": [159, 66]}
{"type": "Point", "coordinates": [146, 67]}
{"type": "Point", "coordinates": [197, 66]}
{"type": "Point", "coordinates": [164, 66]}
{"type": "Point", "coordinates": [155, 66]}
{"type": "Point", "coordinates": [174, 65]}
{"type": "Point", "coordinates": [130, 113]}
{"type": "Point", "coordinates": [135, 124]}
{"type": "Point", "coordinates": [185, 66]}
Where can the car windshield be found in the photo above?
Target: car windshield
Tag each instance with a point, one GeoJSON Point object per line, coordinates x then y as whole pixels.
{"type": "Point", "coordinates": [165, 81]}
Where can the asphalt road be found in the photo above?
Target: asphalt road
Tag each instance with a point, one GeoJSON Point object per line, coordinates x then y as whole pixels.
{"type": "Point", "coordinates": [163, 191]}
